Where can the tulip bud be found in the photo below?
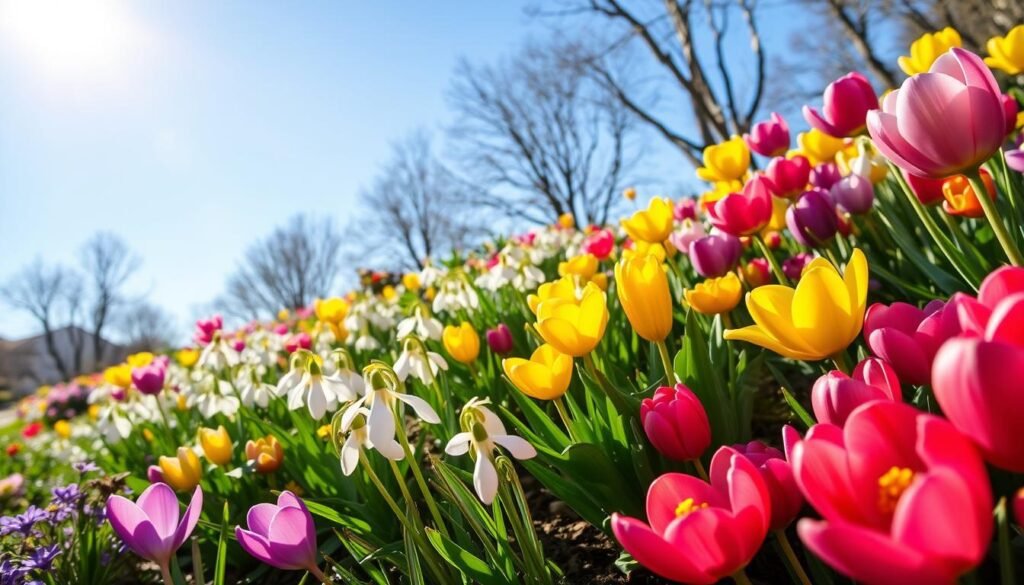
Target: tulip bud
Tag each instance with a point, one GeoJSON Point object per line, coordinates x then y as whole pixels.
{"type": "Point", "coordinates": [676, 423]}
{"type": "Point", "coordinates": [812, 220]}
{"type": "Point", "coordinates": [854, 193]}
{"type": "Point", "coordinates": [297, 342]}
{"type": "Point", "coordinates": [847, 102]}
{"type": "Point", "coordinates": [769, 138]}
{"type": "Point", "coordinates": [685, 208]}
{"type": "Point", "coordinates": [778, 478]}
{"type": "Point", "coordinates": [1010, 110]}
{"type": "Point", "coordinates": [960, 196]}
{"type": "Point", "coordinates": [216, 444]}
{"type": "Point", "coordinates": [600, 244]}
{"type": "Point", "coordinates": [150, 379]}
{"type": "Point", "coordinates": [714, 255]}
{"type": "Point", "coordinates": [688, 231]}
{"type": "Point", "coordinates": [835, 395]}
{"type": "Point", "coordinates": [788, 176]}
{"type": "Point", "coordinates": [773, 240]}
{"type": "Point", "coordinates": [205, 328]}
{"type": "Point", "coordinates": [825, 175]}
{"type": "Point", "coordinates": [183, 471]}
{"type": "Point", "coordinates": [1018, 506]}
{"type": "Point", "coordinates": [499, 339]}
{"type": "Point", "coordinates": [757, 272]}
{"type": "Point", "coordinates": [265, 454]}
{"type": "Point", "coordinates": [154, 474]}
{"type": "Point", "coordinates": [643, 291]}
{"type": "Point", "coordinates": [461, 342]}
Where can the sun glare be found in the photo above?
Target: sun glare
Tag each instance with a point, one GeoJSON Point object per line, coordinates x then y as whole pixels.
{"type": "Point", "coordinates": [68, 37]}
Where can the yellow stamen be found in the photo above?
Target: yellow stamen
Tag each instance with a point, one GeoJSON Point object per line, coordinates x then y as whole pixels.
{"type": "Point", "coordinates": [689, 505]}
{"type": "Point", "coordinates": [891, 487]}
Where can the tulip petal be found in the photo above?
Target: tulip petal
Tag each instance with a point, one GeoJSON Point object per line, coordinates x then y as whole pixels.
{"type": "Point", "coordinates": [671, 489]}
{"type": "Point", "coordinates": [822, 311]}
{"type": "Point", "coordinates": [654, 552]}
{"type": "Point", "coordinates": [771, 307]}
{"type": "Point", "coordinates": [821, 470]}
{"type": "Point", "coordinates": [758, 336]}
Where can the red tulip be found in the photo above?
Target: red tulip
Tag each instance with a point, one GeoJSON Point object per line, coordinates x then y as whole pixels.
{"type": "Point", "coordinates": [928, 191]}
{"type": "Point", "coordinates": [977, 376]}
{"type": "Point", "coordinates": [835, 395]}
{"type": "Point", "coordinates": [700, 532]}
{"type": "Point", "coordinates": [903, 496]}
{"type": "Point", "coordinates": [600, 243]}
{"type": "Point", "coordinates": [847, 102]}
{"type": "Point", "coordinates": [676, 423]}
{"type": "Point", "coordinates": [1018, 506]}
{"type": "Point", "coordinates": [743, 214]}
{"type": "Point", "coordinates": [778, 478]}
{"type": "Point", "coordinates": [788, 176]}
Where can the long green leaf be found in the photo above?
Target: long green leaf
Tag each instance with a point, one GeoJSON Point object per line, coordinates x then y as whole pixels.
{"type": "Point", "coordinates": [471, 566]}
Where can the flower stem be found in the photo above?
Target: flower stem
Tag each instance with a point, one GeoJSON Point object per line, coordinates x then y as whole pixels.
{"type": "Point", "coordinates": [992, 215]}
{"type": "Point", "coordinates": [316, 572]}
{"type": "Point", "coordinates": [620, 402]}
{"type": "Point", "coordinates": [414, 464]}
{"type": "Point", "coordinates": [794, 563]}
{"type": "Point", "coordinates": [666, 362]}
{"type": "Point", "coordinates": [165, 572]}
{"type": "Point", "coordinates": [840, 361]}
{"type": "Point", "coordinates": [703, 473]}
{"type": "Point", "coordinates": [563, 413]}
{"type": "Point", "coordinates": [767, 253]}
{"type": "Point", "coordinates": [741, 578]}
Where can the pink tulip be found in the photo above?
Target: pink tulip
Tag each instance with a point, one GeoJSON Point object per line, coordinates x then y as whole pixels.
{"type": "Point", "coordinates": [977, 375]}
{"type": "Point", "coordinates": [1015, 159]}
{"type": "Point", "coordinates": [685, 208]}
{"type": "Point", "coordinates": [743, 214]}
{"type": "Point", "coordinates": [281, 535]}
{"type": "Point", "coordinates": [757, 272]}
{"type": "Point", "coordinates": [1009, 112]}
{"type": "Point", "coordinates": [944, 122]}
{"type": "Point", "coordinates": [788, 177]}
{"type": "Point", "coordinates": [151, 526]}
{"type": "Point", "coordinates": [689, 231]}
{"type": "Point", "coordinates": [769, 138]}
{"type": "Point", "coordinates": [149, 379]}
{"type": "Point", "coordinates": [676, 423]}
{"type": "Point", "coordinates": [793, 267]}
{"type": "Point", "coordinates": [601, 244]}
{"type": "Point", "coordinates": [700, 532]}
{"type": "Point", "coordinates": [778, 478]}
{"type": "Point", "coordinates": [847, 102]}
{"type": "Point", "coordinates": [903, 496]}
{"type": "Point", "coordinates": [835, 395]}
{"type": "Point", "coordinates": [907, 337]}
{"type": "Point", "coordinates": [205, 328]}
{"type": "Point", "coordinates": [1018, 506]}
{"type": "Point", "coordinates": [296, 342]}
{"type": "Point", "coordinates": [712, 256]}
{"type": "Point", "coordinates": [499, 339]}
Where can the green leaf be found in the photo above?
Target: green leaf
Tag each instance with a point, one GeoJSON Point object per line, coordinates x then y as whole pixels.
{"type": "Point", "coordinates": [471, 566]}
{"type": "Point", "coordinates": [694, 369]}
{"type": "Point", "coordinates": [1005, 552]}
{"type": "Point", "coordinates": [794, 405]}
{"type": "Point", "coordinates": [350, 515]}
{"type": "Point", "coordinates": [222, 549]}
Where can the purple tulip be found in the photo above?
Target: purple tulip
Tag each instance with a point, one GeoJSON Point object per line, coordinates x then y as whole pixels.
{"type": "Point", "coordinates": [281, 535]}
{"type": "Point", "coordinates": [149, 379]}
{"type": "Point", "coordinates": [812, 219]}
{"type": "Point", "coordinates": [825, 175]}
{"type": "Point", "coordinates": [151, 526]}
{"type": "Point", "coordinates": [847, 102]}
{"type": "Point", "coordinates": [769, 138]}
{"type": "Point", "coordinates": [854, 193]}
{"type": "Point", "coordinates": [715, 255]}
{"type": "Point", "coordinates": [499, 339]}
{"type": "Point", "coordinates": [793, 267]}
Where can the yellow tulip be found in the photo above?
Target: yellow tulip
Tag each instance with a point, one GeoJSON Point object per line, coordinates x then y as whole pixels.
{"type": "Point", "coordinates": [720, 189]}
{"type": "Point", "coordinates": [332, 310]}
{"type": "Point", "coordinates": [183, 471]}
{"type": "Point", "coordinates": [927, 48]}
{"type": "Point", "coordinates": [574, 326]}
{"type": "Point", "coordinates": [216, 444]}
{"type": "Point", "coordinates": [817, 146]}
{"type": "Point", "coordinates": [119, 375]}
{"type": "Point", "coordinates": [93, 412]}
{"type": "Point", "coordinates": [283, 315]}
{"type": "Point", "coordinates": [1007, 53]}
{"type": "Point", "coordinates": [645, 249]}
{"type": "Point", "coordinates": [187, 357]}
{"type": "Point", "coordinates": [138, 360]}
{"type": "Point", "coordinates": [563, 288]}
{"type": "Point", "coordinates": [642, 287]}
{"type": "Point", "coordinates": [652, 225]}
{"type": "Point", "coordinates": [63, 429]}
{"type": "Point", "coordinates": [545, 376]}
{"type": "Point", "coordinates": [265, 454]}
{"type": "Point", "coordinates": [584, 266]}
{"type": "Point", "coordinates": [817, 319]}
{"type": "Point", "coordinates": [462, 342]}
{"type": "Point", "coordinates": [601, 280]}
{"type": "Point", "coordinates": [777, 223]}
{"type": "Point", "coordinates": [388, 292]}
{"type": "Point", "coordinates": [411, 281]}
{"type": "Point", "coordinates": [725, 161]}
{"type": "Point", "coordinates": [566, 221]}
{"type": "Point", "coordinates": [715, 295]}
{"type": "Point", "coordinates": [148, 435]}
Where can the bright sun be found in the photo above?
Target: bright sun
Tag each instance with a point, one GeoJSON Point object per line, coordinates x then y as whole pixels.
{"type": "Point", "coordinates": [68, 37]}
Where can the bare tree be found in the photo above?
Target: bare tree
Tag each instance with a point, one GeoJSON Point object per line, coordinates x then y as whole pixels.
{"type": "Point", "coordinates": [288, 269]}
{"type": "Point", "coordinates": [108, 264]}
{"type": "Point", "coordinates": [539, 138]}
{"type": "Point", "coordinates": [146, 327]}
{"type": "Point", "coordinates": [43, 292]}
{"type": "Point", "coordinates": [414, 209]}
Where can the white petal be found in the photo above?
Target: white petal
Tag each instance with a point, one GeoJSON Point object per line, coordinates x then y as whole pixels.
{"type": "Point", "coordinates": [485, 478]}
{"type": "Point", "coordinates": [438, 360]}
{"type": "Point", "coordinates": [402, 366]}
{"type": "Point", "coordinates": [350, 454]}
{"type": "Point", "coordinates": [421, 407]}
{"type": "Point", "coordinates": [492, 423]}
{"type": "Point", "coordinates": [381, 426]}
{"type": "Point", "coordinates": [459, 444]}
{"type": "Point", "coordinates": [350, 414]}
{"type": "Point", "coordinates": [297, 397]}
{"type": "Point", "coordinates": [518, 447]}
{"type": "Point", "coordinates": [317, 400]}
{"type": "Point", "coordinates": [405, 327]}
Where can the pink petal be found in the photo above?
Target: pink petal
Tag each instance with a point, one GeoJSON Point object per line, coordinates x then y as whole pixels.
{"type": "Point", "coordinates": [652, 551]}
{"type": "Point", "coordinates": [161, 506]}
{"type": "Point", "coordinates": [259, 517]}
{"type": "Point", "coordinates": [1007, 321]}
{"type": "Point", "coordinates": [257, 546]}
{"type": "Point", "coordinates": [905, 354]}
{"type": "Point", "coordinates": [189, 520]}
{"type": "Point", "coordinates": [885, 132]}
{"type": "Point", "coordinates": [669, 490]}
{"type": "Point", "coordinates": [125, 516]}
{"type": "Point", "coordinates": [292, 538]}
{"type": "Point", "coordinates": [1001, 283]}
{"type": "Point", "coordinates": [709, 537]}
{"type": "Point", "coordinates": [821, 470]}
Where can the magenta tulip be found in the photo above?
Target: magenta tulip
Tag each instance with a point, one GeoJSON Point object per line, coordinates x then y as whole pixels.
{"type": "Point", "coordinates": [685, 208]}
{"type": "Point", "coordinates": [151, 525]}
{"type": "Point", "coordinates": [847, 102]}
{"type": "Point", "coordinates": [499, 339]}
{"type": "Point", "coordinates": [903, 496]}
{"type": "Point", "coordinates": [713, 256]}
{"type": "Point", "coordinates": [825, 175]}
{"type": "Point", "coordinates": [205, 328]}
{"type": "Point", "coordinates": [788, 177]}
{"type": "Point", "coordinates": [944, 122]}
{"type": "Point", "coordinates": [149, 379]}
{"type": "Point", "coordinates": [812, 219]}
{"type": "Point", "coordinates": [907, 337]}
{"type": "Point", "coordinates": [698, 532]}
{"type": "Point", "coordinates": [793, 267]}
{"type": "Point", "coordinates": [296, 342]}
{"type": "Point", "coordinates": [835, 395]}
{"type": "Point", "coordinates": [976, 376]}
{"type": "Point", "coordinates": [676, 423]}
{"type": "Point", "coordinates": [854, 193]}
{"type": "Point", "coordinates": [769, 138]}
{"type": "Point", "coordinates": [601, 244]}
{"type": "Point", "coordinates": [743, 214]}
{"type": "Point", "coordinates": [281, 535]}
{"type": "Point", "coordinates": [778, 478]}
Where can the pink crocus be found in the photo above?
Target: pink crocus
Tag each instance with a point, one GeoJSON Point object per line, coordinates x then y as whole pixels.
{"type": "Point", "coordinates": [847, 102]}
{"type": "Point", "coordinates": [944, 122]}
{"type": "Point", "coordinates": [281, 535]}
{"type": "Point", "coordinates": [903, 496]}
{"type": "Point", "coordinates": [836, 395]}
{"type": "Point", "coordinates": [601, 244]}
{"type": "Point", "coordinates": [778, 478]}
{"type": "Point", "coordinates": [676, 423]}
{"type": "Point", "coordinates": [770, 137]}
{"type": "Point", "coordinates": [907, 337]}
{"type": "Point", "coordinates": [150, 526]}
{"type": "Point", "coordinates": [976, 376]}
{"type": "Point", "coordinates": [743, 214]}
{"type": "Point", "coordinates": [700, 532]}
{"type": "Point", "coordinates": [788, 177]}
{"type": "Point", "coordinates": [205, 328]}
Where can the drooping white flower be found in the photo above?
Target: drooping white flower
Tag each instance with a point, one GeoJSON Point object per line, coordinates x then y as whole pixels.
{"type": "Point", "coordinates": [382, 399]}
{"type": "Point", "coordinates": [211, 396]}
{"type": "Point", "coordinates": [485, 432]}
{"type": "Point", "coordinates": [417, 360]}
{"type": "Point", "coordinates": [252, 389]}
{"type": "Point", "coordinates": [455, 293]}
{"type": "Point", "coordinates": [357, 439]}
{"type": "Point", "coordinates": [420, 323]}
{"type": "Point", "coordinates": [306, 385]}
{"type": "Point", "coordinates": [218, 354]}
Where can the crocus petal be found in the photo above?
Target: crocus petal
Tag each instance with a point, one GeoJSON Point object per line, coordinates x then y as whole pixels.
{"type": "Point", "coordinates": [161, 506]}
{"type": "Point", "coordinates": [257, 546]}
{"type": "Point", "coordinates": [189, 519]}
{"type": "Point", "coordinates": [292, 538]}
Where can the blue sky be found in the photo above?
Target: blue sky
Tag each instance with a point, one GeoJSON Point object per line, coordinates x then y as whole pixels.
{"type": "Point", "coordinates": [190, 128]}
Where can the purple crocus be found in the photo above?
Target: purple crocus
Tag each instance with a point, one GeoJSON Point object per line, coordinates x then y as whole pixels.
{"type": "Point", "coordinates": [24, 522]}
{"type": "Point", "coordinates": [41, 558]}
{"type": "Point", "coordinates": [281, 535]}
{"type": "Point", "coordinates": [151, 526]}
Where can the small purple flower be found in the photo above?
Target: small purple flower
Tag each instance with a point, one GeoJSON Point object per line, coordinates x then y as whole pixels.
{"type": "Point", "coordinates": [23, 522]}
{"type": "Point", "coordinates": [68, 495]}
{"type": "Point", "coordinates": [11, 573]}
{"type": "Point", "coordinates": [41, 559]}
{"type": "Point", "coordinates": [84, 467]}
